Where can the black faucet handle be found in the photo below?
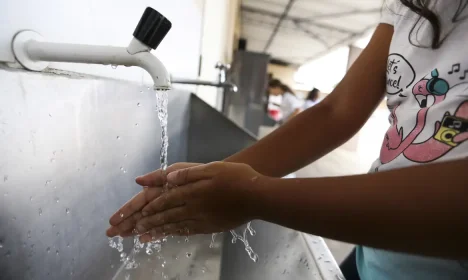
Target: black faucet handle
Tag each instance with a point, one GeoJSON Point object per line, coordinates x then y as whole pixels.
{"type": "Point", "coordinates": [152, 28]}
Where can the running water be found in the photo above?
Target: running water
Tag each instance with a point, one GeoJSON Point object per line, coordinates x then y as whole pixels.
{"type": "Point", "coordinates": [243, 238]}
{"type": "Point", "coordinates": [154, 246]}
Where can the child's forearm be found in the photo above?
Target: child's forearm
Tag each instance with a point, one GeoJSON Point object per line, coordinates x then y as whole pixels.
{"type": "Point", "coordinates": [420, 209]}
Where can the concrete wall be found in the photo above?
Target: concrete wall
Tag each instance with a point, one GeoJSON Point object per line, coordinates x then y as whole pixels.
{"type": "Point", "coordinates": [220, 19]}
{"type": "Point", "coordinates": [283, 73]}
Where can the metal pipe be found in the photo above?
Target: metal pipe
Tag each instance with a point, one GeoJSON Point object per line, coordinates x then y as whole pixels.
{"type": "Point", "coordinates": [33, 53]}
{"type": "Point", "coordinates": [106, 55]}
{"type": "Point", "coordinates": [278, 24]}
{"type": "Point", "coordinates": [224, 85]}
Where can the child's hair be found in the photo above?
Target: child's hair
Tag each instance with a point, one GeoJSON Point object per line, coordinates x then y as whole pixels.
{"type": "Point", "coordinates": [313, 94]}
{"type": "Point", "coordinates": [278, 83]}
{"type": "Point", "coordinates": [422, 8]}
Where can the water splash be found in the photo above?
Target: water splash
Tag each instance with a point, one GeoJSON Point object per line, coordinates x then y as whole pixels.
{"type": "Point", "coordinates": [243, 238]}
{"type": "Point", "coordinates": [213, 239]}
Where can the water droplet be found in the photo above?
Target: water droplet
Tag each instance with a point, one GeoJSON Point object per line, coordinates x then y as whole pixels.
{"type": "Point", "coordinates": [136, 124]}
{"type": "Point", "coordinates": [40, 211]}
{"type": "Point", "coordinates": [163, 264]}
{"type": "Point", "coordinates": [29, 234]}
{"type": "Point", "coordinates": [48, 182]}
{"type": "Point", "coordinates": [125, 155]}
{"type": "Point", "coordinates": [127, 276]}
{"type": "Point", "coordinates": [57, 200]}
{"type": "Point", "coordinates": [139, 104]}
{"type": "Point", "coordinates": [121, 168]}
{"type": "Point", "coordinates": [57, 252]}
{"type": "Point", "coordinates": [112, 266]}
{"type": "Point", "coordinates": [31, 198]}
{"type": "Point", "coordinates": [67, 211]}
{"type": "Point", "coordinates": [54, 153]}
{"type": "Point", "coordinates": [53, 225]}
{"type": "Point", "coordinates": [121, 215]}
{"type": "Point", "coordinates": [8, 254]}
{"type": "Point", "coordinates": [114, 66]}
{"type": "Point", "coordinates": [94, 164]}
{"type": "Point", "coordinates": [188, 255]}
{"type": "Point", "coordinates": [1, 245]}
{"type": "Point", "coordinates": [48, 250]}
{"type": "Point", "coordinates": [5, 178]}
{"type": "Point", "coordinates": [50, 115]}
{"type": "Point", "coordinates": [187, 239]}
{"type": "Point", "coordinates": [58, 233]}
{"type": "Point", "coordinates": [5, 194]}
{"type": "Point", "coordinates": [118, 137]}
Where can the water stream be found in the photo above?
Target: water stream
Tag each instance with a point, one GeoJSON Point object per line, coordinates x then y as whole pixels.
{"type": "Point", "coordinates": [128, 261]}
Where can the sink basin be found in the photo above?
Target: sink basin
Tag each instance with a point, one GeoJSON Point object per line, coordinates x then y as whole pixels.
{"type": "Point", "coordinates": [71, 148]}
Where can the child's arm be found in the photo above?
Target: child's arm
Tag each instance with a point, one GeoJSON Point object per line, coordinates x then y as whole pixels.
{"type": "Point", "coordinates": [322, 128]}
{"type": "Point", "coordinates": [421, 209]}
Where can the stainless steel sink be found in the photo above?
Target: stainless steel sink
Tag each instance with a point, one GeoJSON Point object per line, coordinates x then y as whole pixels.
{"type": "Point", "coordinates": [71, 146]}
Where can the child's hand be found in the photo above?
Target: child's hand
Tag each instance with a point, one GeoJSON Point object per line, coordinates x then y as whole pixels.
{"type": "Point", "coordinates": [124, 220]}
{"type": "Point", "coordinates": [208, 198]}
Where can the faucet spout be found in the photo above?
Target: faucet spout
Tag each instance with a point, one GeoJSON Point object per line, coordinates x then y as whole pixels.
{"type": "Point", "coordinates": [33, 54]}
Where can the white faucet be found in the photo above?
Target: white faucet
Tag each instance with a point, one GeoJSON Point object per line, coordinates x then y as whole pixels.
{"type": "Point", "coordinates": [34, 54]}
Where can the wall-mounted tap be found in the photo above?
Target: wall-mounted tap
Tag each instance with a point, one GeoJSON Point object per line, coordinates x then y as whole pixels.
{"type": "Point", "coordinates": [33, 53]}
{"type": "Point", "coordinates": [223, 68]}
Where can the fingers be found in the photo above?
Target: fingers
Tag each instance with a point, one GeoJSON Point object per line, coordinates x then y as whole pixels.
{"type": "Point", "coordinates": [174, 215]}
{"type": "Point", "coordinates": [157, 178]}
{"type": "Point", "coordinates": [134, 205]}
{"type": "Point", "coordinates": [126, 227]}
{"type": "Point", "coordinates": [184, 228]}
{"type": "Point", "coordinates": [187, 175]}
{"type": "Point", "coordinates": [152, 179]}
{"type": "Point", "coordinates": [176, 197]}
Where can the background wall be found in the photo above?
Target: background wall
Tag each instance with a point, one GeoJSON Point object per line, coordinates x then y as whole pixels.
{"type": "Point", "coordinates": [107, 22]}
{"type": "Point", "coordinates": [220, 24]}
{"type": "Point", "coordinates": [284, 73]}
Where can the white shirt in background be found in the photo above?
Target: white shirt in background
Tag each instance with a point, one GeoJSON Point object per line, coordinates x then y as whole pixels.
{"type": "Point", "coordinates": [308, 104]}
{"type": "Point", "coordinates": [289, 104]}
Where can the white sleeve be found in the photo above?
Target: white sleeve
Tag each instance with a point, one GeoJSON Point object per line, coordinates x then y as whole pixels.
{"type": "Point", "coordinates": [389, 11]}
{"type": "Point", "coordinates": [295, 102]}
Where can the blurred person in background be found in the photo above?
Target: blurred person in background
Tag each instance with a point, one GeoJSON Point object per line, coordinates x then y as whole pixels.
{"type": "Point", "coordinates": [291, 105]}
{"type": "Point", "coordinates": [312, 98]}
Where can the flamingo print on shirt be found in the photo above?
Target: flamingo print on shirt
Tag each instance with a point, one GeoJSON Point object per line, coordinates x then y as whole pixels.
{"type": "Point", "coordinates": [449, 132]}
